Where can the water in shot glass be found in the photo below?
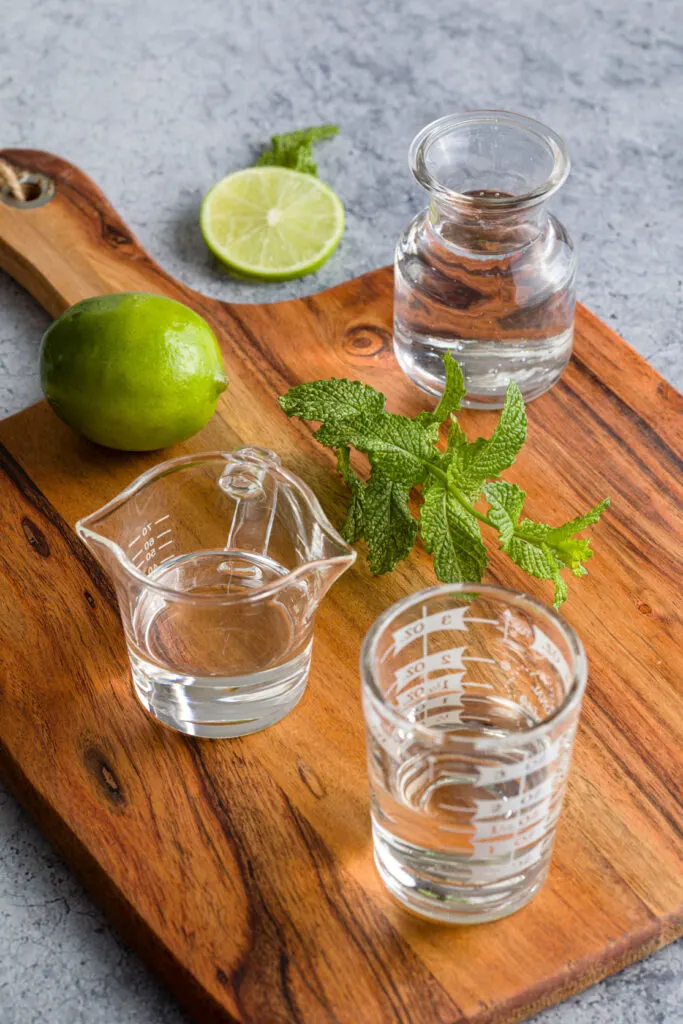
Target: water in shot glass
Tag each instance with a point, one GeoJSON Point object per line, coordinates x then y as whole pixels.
{"type": "Point", "coordinates": [471, 696]}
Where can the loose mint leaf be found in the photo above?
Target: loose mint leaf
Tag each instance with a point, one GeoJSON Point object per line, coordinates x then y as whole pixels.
{"type": "Point", "coordinates": [506, 501]}
{"type": "Point", "coordinates": [332, 400]}
{"type": "Point", "coordinates": [295, 149]}
{"type": "Point", "coordinates": [398, 447]}
{"type": "Point", "coordinates": [452, 535]}
{"type": "Point", "coordinates": [453, 394]}
{"type": "Point", "coordinates": [353, 525]}
{"type": "Point", "coordinates": [389, 526]}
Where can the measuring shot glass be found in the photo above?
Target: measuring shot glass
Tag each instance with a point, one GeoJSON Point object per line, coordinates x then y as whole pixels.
{"type": "Point", "coordinates": [471, 697]}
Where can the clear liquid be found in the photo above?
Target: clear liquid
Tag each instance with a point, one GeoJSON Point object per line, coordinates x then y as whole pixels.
{"type": "Point", "coordinates": [450, 847]}
{"type": "Point", "coordinates": [220, 669]}
{"type": "Point", "coordinates": [503, 315]}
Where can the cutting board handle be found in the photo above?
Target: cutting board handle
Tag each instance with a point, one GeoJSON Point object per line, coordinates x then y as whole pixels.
{"type": "Point", "coordinates": [74, 245]}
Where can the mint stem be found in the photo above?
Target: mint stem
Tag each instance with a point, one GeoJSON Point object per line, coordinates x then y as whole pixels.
{"type": "Point", "coordinates": [459, 496]}
{"type": "Point", "coordinates": [450, 486]}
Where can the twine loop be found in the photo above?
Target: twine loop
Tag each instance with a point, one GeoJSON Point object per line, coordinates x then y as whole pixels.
{"type": "Point", "coordinates": [10, 180]}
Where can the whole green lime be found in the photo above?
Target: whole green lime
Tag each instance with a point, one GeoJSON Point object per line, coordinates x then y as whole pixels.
{"type": "Point", "coordinates": [132, 371]}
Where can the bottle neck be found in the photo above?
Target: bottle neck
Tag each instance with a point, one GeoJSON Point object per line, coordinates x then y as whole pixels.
{"type": "Point", "coordinates": [486, 229]}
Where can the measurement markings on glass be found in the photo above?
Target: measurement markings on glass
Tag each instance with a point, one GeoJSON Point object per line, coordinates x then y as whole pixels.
{"type": "Point", "coordinates": [488, 775]}
{"type": "Point", "coordinates": [430, 698]}
{"type": "Point", "coordinates": [503, 847]}
{"type": "Point", "coordinates": [456, 618]}
{"type": "Point", "coordinates": [505, 835]}
{"type": "Point", "coordinates": [536, 799]}
{"type": "Point", "coordinates": [551, 652]}
{"type": "Point", "coordinates": [150, 542]}
{"type": "Point", "coordinates": [512, 864]}
{"type": "Point", "coordinates": [451, 659]}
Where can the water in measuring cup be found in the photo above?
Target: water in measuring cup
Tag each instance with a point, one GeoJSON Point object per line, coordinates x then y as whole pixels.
{"type": "Point", "coordinates": [212, 669]}
{"type": "Point", "coordinates": [502, 315]}
{"type": "Point", "coordinates": [481, 824]}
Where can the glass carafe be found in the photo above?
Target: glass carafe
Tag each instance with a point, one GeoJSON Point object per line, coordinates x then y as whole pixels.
{"type": "Point", "coordinates": [486, 272]}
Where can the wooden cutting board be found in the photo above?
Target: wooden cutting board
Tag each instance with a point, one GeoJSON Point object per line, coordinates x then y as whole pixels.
{"type": "Point", "coordinates": [242, 869]}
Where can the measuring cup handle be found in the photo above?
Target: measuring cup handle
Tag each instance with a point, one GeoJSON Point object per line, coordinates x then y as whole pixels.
{"type": "Point", "coordinates": [247, 479]}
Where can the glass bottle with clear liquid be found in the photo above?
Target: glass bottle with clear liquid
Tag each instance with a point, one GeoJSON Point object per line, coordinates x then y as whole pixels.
{"type": "Point", "coordinates": [486, 272]}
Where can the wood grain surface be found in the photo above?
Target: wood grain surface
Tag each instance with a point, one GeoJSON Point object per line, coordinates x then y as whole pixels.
{"type": "Point", "coordinates": [242, 869]}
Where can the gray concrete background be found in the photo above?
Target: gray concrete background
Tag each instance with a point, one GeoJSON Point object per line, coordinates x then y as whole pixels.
{"type": "Point", "coordinates": [157, 99]}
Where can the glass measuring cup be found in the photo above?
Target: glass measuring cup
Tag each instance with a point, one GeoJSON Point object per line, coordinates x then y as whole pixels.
{"type": "Point", "coordinates": [471, 696]}
{"type": "Point", "coordinates": [219, 562]}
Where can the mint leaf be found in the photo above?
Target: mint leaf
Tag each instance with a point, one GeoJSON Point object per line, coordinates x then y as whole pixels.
{"type": "Point", "coordinates": [506, 501]}
{"type": "Point", "coordinates": [467, 483]}
{"type": "Point", "coordinates": [500, 450]}
{"type": "Point", "coordinates": [389, 526]}
{"type": "Point", "coordinates": [398, 447]}
{"type": "Point", "coordinates": [477, 461]}
{"type": "Point", "coordinates": [537, 558]}
{"type": "Point", "coordinates": [560, 533]}
{"type": "Point", "coordinates": [532, 557]}
{"type": "Point", "coordinates": [566, 549]}
{"type": "Point", "coordinates": [452, 535]}
{"type": "Point", "coordinates": [295, 149]}
{"type": "Point", "coordinates": [462, 456]}
{"type": "Point", "coordinates": [453, 394]}
{"type": "Point", "coordinates": [573, 553]}
{"type": "Point", "coordinates": [543, 551]}
{"type": "Point", "coordinates": [353, 525]}
{"type": "Point", "coordinates": [560, 595]}
{"type": "Point", "coordinates": [332, 400]}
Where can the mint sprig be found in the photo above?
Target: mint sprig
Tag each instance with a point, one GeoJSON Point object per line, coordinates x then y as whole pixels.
{"type": "Point", "coordinates": [295, 149]}
{"type": "Point", "coordinates": [402, 453]}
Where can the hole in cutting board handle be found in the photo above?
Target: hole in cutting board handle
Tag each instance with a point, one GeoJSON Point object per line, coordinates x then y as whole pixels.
{"type": "Point", "coordinates": [38, 189]}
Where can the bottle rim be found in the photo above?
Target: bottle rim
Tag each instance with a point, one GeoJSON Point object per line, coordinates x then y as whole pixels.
{"type": "Point", "coordinates": [452, 123]}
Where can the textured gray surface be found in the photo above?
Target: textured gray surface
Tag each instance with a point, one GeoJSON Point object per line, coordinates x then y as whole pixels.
{"type": "Point", "coordinates": [156, 99]}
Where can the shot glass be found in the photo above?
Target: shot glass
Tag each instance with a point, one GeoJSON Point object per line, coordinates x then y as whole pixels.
{"type": "Point", "coordinates": [471, 697]}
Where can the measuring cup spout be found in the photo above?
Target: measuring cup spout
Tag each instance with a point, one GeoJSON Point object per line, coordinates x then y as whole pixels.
{"type": "Point", "coordinates": [327, 553]}
{"type": "Point", "coordinates": [105, 549]}
{"type": "Point", "coordinates": [339, 557]}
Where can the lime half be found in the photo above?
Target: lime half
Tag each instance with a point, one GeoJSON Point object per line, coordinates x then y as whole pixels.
{"type": "Point", "coordinates": [271, 222]}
